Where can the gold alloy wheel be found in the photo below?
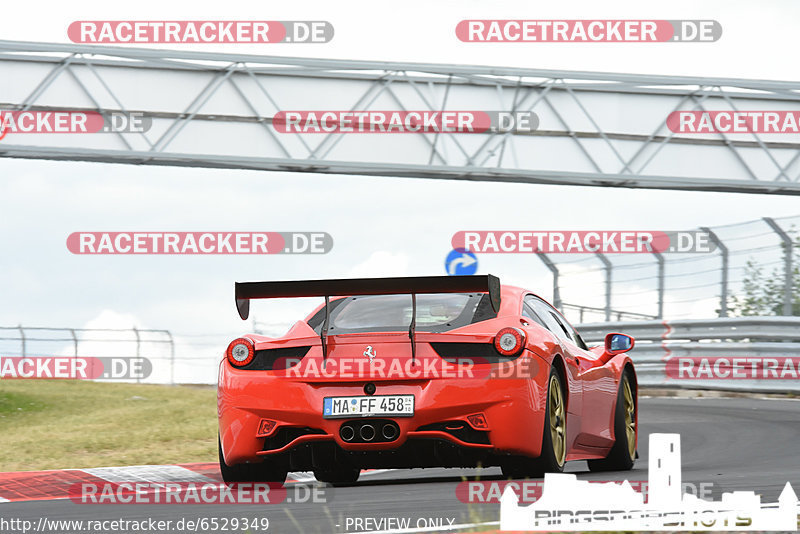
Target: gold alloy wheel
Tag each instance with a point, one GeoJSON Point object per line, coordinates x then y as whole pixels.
{"type": "Point", "coordinates": [630, 417]}
{"type": "Point", "coordinates": [557, 421]}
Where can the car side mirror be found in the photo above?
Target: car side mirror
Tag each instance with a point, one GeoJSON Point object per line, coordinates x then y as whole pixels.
{"type": "Point", "coordinates": [618, 343]}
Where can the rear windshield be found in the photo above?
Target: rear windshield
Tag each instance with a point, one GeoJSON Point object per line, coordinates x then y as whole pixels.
{"type": "Point", "coordinates": [392, 313]}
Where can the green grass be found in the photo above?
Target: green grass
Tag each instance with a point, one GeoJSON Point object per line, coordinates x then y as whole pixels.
{"type": "Point", "coordinates": [56, 424]}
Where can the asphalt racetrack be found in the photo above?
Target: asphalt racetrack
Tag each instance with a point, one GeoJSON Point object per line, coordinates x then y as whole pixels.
{"type": "Point", "coordinates": [727, 444]}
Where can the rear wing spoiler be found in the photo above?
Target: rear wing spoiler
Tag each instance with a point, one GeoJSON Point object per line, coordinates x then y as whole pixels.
{"type": "Point", "coordinates": [245, 291]}
{"type": "Point", "coordinates": [367, 286]}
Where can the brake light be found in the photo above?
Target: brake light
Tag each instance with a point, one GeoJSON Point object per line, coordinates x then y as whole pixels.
{"type": "Point", "coordinates": [509, 341]}
{"type": "Point", "coordinates": [240, 352]}
{"type": "Point", "coordinates": [478, 421]}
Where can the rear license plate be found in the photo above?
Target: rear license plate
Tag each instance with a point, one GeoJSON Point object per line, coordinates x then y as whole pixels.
{"type": "Point", "coordinates": [368, 406]}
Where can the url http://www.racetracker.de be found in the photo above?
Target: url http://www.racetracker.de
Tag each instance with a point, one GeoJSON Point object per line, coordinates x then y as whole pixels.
{"type": "Point", "coordinates": [138, 526]}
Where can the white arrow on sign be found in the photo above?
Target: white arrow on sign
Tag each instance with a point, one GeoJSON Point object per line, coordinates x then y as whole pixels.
{"type": "Point", "coordinates": [464, 261]}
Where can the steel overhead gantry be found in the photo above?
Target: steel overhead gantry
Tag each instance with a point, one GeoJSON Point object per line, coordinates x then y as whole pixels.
{"type": "Point", "coordinates": [216, 109]}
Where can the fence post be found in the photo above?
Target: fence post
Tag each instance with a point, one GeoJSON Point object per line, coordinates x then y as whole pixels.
{"type": "Point", "coordinates": [723, 298]}
{"type": "Point", "coordinates": [74, 348]}
{"type": "Point", "coordinates": [74, 344]}
{"type": "Point", "coordinates": [553, 269]}
{"type": "Point", "coordinates": [171, 358]}
{"type": "Point", "coordinates": [138, 348]}
{"type": "Point", "coordinates": [660, 260]}
{"type": "Point", "coordinates": [787, 264]}
{"type": "Point", "coordinates": [22, 340]}
{"type": "Point", "coordinates": [608, 268]}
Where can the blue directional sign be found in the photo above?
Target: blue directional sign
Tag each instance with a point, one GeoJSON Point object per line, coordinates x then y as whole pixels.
{"type": "Point", "coordinates": [461, 262]}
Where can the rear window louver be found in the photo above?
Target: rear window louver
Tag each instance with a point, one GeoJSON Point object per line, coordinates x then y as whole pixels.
{"type": "Point", "coordinates": [276, 359]}
{"type": "Point", "coordinates": [475, 353]}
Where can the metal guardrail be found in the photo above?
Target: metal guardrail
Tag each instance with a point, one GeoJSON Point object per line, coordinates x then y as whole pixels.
{"type": "Point", "coordinates": [759, 354]}
{"type": "Point", "coordinates": [619, 314]}
{"type": "Point", "coordinates": [712, 351]}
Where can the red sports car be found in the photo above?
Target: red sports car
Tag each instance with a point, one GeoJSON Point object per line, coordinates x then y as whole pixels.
{"type": "Point", "coordinates": [421, 372]}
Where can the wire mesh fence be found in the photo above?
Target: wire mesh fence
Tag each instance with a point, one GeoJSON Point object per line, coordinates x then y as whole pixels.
{"type": "Point", "coordinates": [103, 353]}
{"type": "Point", "coordinates": [687, 284]}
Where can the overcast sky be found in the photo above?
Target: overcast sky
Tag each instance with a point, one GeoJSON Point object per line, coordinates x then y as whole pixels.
{"type": "Point", "coordinates": [380, 226]}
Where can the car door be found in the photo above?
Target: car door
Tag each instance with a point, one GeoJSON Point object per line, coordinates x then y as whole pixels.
{"type": "Point", "coordinates": [598, 389]}
{"type": "Point", "coordinates": [548, 316]}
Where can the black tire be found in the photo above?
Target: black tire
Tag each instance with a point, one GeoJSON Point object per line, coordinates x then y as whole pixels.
{"type": "Point", "coordinates": [340, 476]}
{"type": "Point", "coordinates": [266, 471]}
{"type": "Point", "coordinates": [551, 459]}
{"type": "Point", "coordinates": [622, 455]}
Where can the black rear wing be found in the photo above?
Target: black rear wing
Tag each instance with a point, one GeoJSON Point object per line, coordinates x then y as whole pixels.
{"type": "Point", "coordinates": [366, 286]}
{"type": "Point", "coordinates": [346, 287]}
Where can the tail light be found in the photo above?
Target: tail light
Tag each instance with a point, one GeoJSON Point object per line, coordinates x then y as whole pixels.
{"type": "Point", "coordinates": [240, 352]}
{"type": "Point", "coordinates": [509, 341]}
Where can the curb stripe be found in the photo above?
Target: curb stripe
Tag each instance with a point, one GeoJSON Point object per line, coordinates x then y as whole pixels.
{"type": "Point", "coordinates": [54, 484]}
{"type": "Point", "coordinates": [148, 473]}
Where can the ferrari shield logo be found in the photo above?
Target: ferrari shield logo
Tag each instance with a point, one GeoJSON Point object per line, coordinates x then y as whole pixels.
{"type": "Point", "coordinates": [370, 353]}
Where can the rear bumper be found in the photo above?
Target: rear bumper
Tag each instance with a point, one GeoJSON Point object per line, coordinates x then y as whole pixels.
{"type": "Point", "coordinates": [511, 407]}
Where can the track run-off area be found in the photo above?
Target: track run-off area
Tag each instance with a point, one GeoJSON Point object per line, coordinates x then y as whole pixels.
{"type": "Point", "coordinates": [727, 444]}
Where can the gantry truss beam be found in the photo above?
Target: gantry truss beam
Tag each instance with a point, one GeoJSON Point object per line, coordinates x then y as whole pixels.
{"type": "Point", "coordinates": [215, 110]}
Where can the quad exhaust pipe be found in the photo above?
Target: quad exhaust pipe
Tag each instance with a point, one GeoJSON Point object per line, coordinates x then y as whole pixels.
{"type": "Point", "coordinates": [390, 431]}
{"type": "Point", "coordinates": [367, 432]}
{"type": "Point", "coordinates": [380, 431]}
{"type": "Point", "coordinates": [347, 432]}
